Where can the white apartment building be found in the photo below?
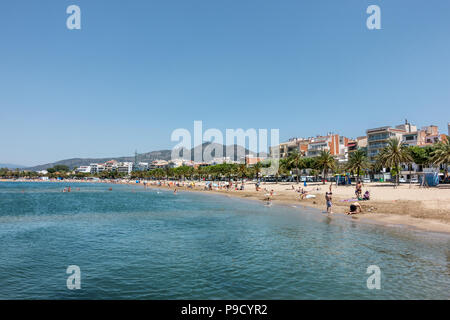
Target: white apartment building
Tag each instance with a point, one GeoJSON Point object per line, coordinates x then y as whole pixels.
{"type": "Point", "coordinates": [84, 169]}
{"type": "Point", "coordinates": [143, 165]}
{"type": "Point", "coordinates": [125, 167]}
{"type": "Point", "coordinates": [97, 168]}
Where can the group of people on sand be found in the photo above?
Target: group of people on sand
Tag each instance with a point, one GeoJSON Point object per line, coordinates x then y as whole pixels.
{"type": "Point", "coordinates": [358, 192]}
{"type": "Point", "coordinates": [224, 186]}
{"type": "Point", "coordinates": [355, 207]}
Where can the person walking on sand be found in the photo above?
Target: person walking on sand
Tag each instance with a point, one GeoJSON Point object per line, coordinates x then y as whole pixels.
{"type": "Point", "coordinates": [329, 199]}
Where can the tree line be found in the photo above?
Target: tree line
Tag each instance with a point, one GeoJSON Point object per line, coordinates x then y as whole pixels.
{"type": "Point", "coordinates": [392, 156]}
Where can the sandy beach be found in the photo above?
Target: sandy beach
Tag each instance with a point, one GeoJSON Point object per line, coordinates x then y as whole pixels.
{"type": "Point", "coordinates": [410, 205]}
{"type": "Point", "coordinates": [423, 208]}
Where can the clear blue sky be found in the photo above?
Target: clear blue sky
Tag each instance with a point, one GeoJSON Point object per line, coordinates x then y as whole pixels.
{"type": "Point", "coordinates": [137, 70]}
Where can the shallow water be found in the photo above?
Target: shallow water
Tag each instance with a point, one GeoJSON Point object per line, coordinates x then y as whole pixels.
{"type": "Point", "coordinates": [136, 243]}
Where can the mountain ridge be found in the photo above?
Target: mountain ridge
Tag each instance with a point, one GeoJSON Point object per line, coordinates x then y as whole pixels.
{"type": "Point", "coordinates": [196, 153]}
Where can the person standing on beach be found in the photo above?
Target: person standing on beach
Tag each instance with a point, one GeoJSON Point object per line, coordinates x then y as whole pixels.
{"type": "Point", "coordinates": [358, 191]}
{"type": "Point", "coordinates": [329, 199]}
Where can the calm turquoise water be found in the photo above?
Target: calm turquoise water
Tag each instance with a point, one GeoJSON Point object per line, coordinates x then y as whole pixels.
{"type": "Point", "coordinates": [132, 243]}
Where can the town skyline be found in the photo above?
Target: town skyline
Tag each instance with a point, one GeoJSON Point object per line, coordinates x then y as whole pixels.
{"type": "Point", "coordinates": [409, 133]}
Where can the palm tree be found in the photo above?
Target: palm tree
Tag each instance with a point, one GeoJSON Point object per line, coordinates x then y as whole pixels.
{"type": "Point", "coordinates": [241, 171]}
{"type": "Point", "coordinates": [295, 161]}
{"type": "Point", "coordinates": [358, 161]}
{"type": "Point", "coordinates": [169, 172]}
{"type": "Point", "coordinates": [200, 171]}
{"type": "Point", "coordinates": [257, 169]}
{"type": "Point", "coordinates": [325, 162]}
{"type": "Point", "coordinates": [393, 154]}
{"type": "Point", "coordinates": [441, 154]}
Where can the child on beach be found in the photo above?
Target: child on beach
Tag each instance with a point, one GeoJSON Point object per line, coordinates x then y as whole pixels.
{"type": "Point", "coordinates": [366, 195]}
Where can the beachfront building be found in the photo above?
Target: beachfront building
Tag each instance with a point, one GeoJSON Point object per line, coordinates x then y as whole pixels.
{"type": "Point", "coordinates": [335, 144]}
{"type": "Point", "coordinates": [159, 164]}
{"type": "Point", "coordinates": [312, 147]}
{"type": "Point", "coordinates": [252, 160]}
{"type": "Point", "coordinates": [201, 165]}
{"type": "Point", "coordinates": [299, 145]}
{"type": "Point", "coordinates": [377, 138]}
{"type": "Point", "coordinates": [83, 169]}
{"type": "Point", "coordinates": [425, 136]}
{"type": "Point", "coordinates": [141, 166]}
{"type": "Point", "coordinates": [97, 168]}
{"type": "Point", "coordinates": [124, 167]}
{"type": "Point", "coordinates": [360, 143]}
{"type": "Point", "coordinates": [111, 165]}
{"type": "Point", "coordinates": [175, 163]}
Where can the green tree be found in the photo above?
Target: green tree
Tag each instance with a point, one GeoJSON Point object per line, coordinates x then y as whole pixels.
{"type": "Point", "coordinates": [393, 155]}
{"type": "Point", "coordinates": [357, 162]}
{"type": "Point", "coordinates": [242, 171]}
{"type": "Point", "coordinates": [256, 169]}
{"type": "Point", "coordinates": [419, 155]}
{"type": "Point", "coordinates": [61, 168]}
{"type": "Point", "coordinates": [441, 154]}
{"type": "Point", "coordinates": [325, 162]}
{"type": "Point", "coordinates": [295, 161]}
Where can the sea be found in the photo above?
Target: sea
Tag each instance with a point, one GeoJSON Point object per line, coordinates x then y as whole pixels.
{"type": "Point", "coordinates": [110, 241]}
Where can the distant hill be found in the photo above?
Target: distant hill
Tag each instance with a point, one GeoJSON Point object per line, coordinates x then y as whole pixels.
{"type": "Point", "coordinates": [76, 162]}
{"type": "Point", "coordinates": [150, 156]}
{"type": "Point", "coordinates": [11, 166]}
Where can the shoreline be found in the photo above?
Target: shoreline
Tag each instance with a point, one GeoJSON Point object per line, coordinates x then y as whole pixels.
{"type": "Point", "coordinates": [409, 213]}
{"type": "Point", "coordinates": [385, 219]}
